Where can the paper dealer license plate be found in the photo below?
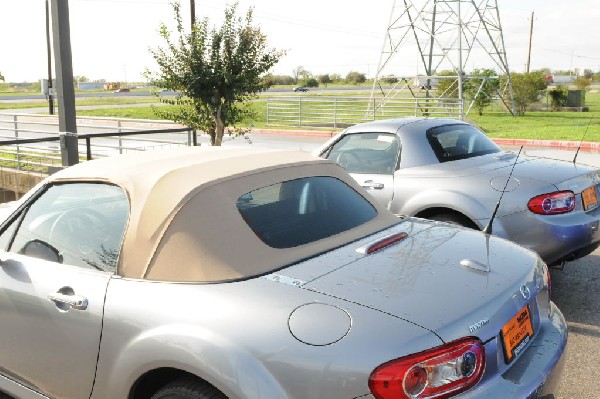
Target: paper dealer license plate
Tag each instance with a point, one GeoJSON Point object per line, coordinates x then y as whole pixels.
{"type": "Point", "coordinates": [590, 198]}
{"type": "Point", "coordinates": [516, 334]}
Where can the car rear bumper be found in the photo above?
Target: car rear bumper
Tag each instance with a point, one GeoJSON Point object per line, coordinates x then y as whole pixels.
{"type": "Point", "coordinates": [555, 238]}
{"type": "Point", "coordinates": [536, 374]}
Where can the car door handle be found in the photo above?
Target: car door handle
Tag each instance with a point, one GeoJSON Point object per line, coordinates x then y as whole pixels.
{"type": "Point", "coordinates": [373, 185]}
{"type": "Point", "coordinates": [74, 301]}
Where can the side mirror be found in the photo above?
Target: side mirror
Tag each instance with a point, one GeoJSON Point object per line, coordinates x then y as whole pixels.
{"type": "Point", "coordinates": [42, 250]}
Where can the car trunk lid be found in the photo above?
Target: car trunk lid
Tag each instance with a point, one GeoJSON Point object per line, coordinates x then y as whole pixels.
{"type": "Point", "coordinates": [452, 281]}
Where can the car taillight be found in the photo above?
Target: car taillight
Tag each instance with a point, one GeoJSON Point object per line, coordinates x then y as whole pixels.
{"type": "Point", "coordinates": [552, 203]}
{"type": "Point", "coordinates": [436, 373]}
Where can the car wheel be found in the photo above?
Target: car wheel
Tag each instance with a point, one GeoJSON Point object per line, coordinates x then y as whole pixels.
{"type": "Point", "coordinates": [454, 218]}
{"type": "Point", "coordinates": [188, 388]}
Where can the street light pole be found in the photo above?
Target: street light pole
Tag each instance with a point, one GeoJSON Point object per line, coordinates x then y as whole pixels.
{"type": "Point", "coordinates": [193, 13]}
{"type": "Point", "coordinates": [49, 51]}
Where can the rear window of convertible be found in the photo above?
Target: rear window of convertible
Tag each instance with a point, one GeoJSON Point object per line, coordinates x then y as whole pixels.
{"type": "Point", "coordinates": [453, 142]}
{"type": "Point", "coordinates": [300, 211]}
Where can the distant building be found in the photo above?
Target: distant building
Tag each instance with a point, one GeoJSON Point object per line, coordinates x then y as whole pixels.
{"type": "Point", "coordinates": [90, 85]}
{"type": "Point", "coordinates": [560, 79]}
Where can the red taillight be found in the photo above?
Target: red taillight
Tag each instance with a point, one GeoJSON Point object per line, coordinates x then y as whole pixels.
{"type": "Point", "coordinates": [436, 373]}
{"type": "Point", "coordinates": [552, 203]}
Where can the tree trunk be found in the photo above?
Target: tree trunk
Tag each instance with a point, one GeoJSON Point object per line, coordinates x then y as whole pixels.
{"type": "Point", "coordinates": [219, 127]}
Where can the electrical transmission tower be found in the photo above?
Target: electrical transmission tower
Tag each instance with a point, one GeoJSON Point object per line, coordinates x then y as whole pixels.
{"type": "Point", "coordinates": [440, 38]}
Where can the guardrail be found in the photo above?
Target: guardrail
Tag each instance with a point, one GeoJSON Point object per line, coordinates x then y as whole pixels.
{"type": "Point", "coordinates": [336, 112]}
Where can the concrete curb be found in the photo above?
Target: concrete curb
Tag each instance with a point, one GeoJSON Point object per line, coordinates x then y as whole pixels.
{"type": "Point", "coordinates": [564, 145]}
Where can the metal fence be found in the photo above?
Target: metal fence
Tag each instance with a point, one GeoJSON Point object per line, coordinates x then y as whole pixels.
{"type": "Point", "coordinates": [32, 141]}
{"type": "Point", "coordinates": [30, 145]}
{"type": "Point", "coordinates": [339, 112]}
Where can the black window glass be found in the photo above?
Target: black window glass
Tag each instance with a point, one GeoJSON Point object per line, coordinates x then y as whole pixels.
{"type": "Point", "coordinates": [301, 211]}
{"type": "Point", "coordinates": [453, 142]}
{"type": "Point", "coordinates": [80, 224]}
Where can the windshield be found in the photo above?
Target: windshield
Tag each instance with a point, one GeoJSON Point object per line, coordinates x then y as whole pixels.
{"type": "Point", "coordinates": [453, 142]}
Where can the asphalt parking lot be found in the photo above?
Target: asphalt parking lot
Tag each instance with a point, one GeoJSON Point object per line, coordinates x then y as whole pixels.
{"type": "Point", "coordinates": [575, 291]}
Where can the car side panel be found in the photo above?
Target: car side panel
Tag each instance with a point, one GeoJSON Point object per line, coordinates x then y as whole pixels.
{"type": "Point", "coordinates": [45, 346]}
{"type": "Point", "coordinates": [236, 336]}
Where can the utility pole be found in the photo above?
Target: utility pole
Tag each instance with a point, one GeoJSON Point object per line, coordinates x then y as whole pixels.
{"type": "Point", "coordinates": [67, 120]}
{"type": "Point", "coordinates": [530, 36]}
{"type": "Point", "coordinates": [49, 51]}
{"type": "Point", "coordinates": [193, 13]}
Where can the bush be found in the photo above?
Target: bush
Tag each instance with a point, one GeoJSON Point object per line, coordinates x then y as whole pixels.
{"type": "Point", "coordinates": [310, 82]}
{"type": "Point", "coordinates": [356, 78]}
{"type": "Point", "coordinates": [558, 97]}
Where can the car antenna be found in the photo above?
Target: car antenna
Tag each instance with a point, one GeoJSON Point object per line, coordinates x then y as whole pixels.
{"type": "Point", "coordinates": [488, 228]}
{"type": "Point", "coordinates": [581, 141]}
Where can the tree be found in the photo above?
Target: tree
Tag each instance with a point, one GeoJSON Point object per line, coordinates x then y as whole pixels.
{"type": "Point", "coordinates": [309, 82]}
{"type": "Point", "coordinates": [481, 90]}
{"type": "Point", "coordinates": [582, 83]}
{"type": "Point", "coordinates": [300, 73]}
{"type": "Point", "coordinates": [447, 85]}
{"type": "Point", "coordinates": [526, 89]}
{"type": "Point", "coordinates": [390, 79]}
{"type": "Point", "coordinates": [216, 71]}
{"type": "Point", "coordinates": [1, 77]}
{"type": "Point", "coordinates": [336, 77]}
{"type": "Point", "coordinates": [356, 78]}
{"type": "Point", "coordinates": [325, 79]}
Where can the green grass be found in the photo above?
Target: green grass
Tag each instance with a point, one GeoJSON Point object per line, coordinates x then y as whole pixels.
{"type": "Point", "coordinates": [533, 125]}
{"type": "Point", "coordinates": [563, 125]}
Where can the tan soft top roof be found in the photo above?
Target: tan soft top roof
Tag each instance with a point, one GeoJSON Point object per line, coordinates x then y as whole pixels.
{"type": "Point", "coordinates": [184, 224]}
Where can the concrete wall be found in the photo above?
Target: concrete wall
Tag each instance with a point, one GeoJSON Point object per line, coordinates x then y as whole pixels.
{"type": "Point", "coordinates": [14, 183]}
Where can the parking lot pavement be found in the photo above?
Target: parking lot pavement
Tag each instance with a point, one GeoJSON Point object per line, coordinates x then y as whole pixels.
{"type": "Point", "coordinates": [575, 291]}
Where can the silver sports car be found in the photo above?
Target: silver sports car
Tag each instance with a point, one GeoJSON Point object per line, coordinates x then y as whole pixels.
{"type": "Point", "coordinates": [213, 273]}
{"type": "Point", "coordinates": [448, 170]}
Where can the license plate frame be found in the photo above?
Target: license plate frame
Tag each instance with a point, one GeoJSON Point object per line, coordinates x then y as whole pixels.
{"type": "Point", "coordinates": [516, 334]}
{"type": "Point", "coordinates": [589, 198]}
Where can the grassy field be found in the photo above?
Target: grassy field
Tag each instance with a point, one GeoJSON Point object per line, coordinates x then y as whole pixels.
{"type": "Point", "coordinates": [533, 125]}
{"type": "Point", "coordinates": [545, 125]}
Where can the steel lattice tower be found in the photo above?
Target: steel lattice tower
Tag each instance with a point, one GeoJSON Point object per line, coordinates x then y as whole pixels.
{"type": "Point", "coordinates": [433, 36]}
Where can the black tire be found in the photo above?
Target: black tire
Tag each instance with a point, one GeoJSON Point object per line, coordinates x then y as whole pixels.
{"type": "Point", "coordinates": [188, 388]}
{"type": "Point", "coordinates": [454, 218]}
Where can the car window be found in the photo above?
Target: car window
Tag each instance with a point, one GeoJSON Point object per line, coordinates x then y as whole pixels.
{"type": "Point", "coordinates": [80, 224]}
{"type": "Point", "coordinates": [453, 142]}
{"type": "Point", "coordinates": [301, 211]}
{"type": "Point", "coordinates": [367, 153]}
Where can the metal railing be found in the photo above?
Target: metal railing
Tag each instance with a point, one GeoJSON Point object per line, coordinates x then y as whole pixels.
{"type": "Point", "coordinates": [339, 112]}
{"type": "Point", "coordinates": [32, 142]}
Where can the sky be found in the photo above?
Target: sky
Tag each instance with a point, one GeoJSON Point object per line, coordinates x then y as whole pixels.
{"type": "Point", "coordinates": [110, 39]}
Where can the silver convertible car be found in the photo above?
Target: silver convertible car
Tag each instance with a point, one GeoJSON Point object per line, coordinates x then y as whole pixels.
{"type": "Point", "coordinates": [208, 273]}
{"type": "Point", "coordinates": [448, 170]}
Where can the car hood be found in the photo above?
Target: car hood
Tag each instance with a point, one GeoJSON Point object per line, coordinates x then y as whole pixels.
{"type": "Point", "coordinates": [436, 278]}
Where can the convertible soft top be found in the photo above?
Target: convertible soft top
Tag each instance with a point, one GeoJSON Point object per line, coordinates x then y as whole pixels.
{"type": "Point", "coordinates": [184, 224]}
